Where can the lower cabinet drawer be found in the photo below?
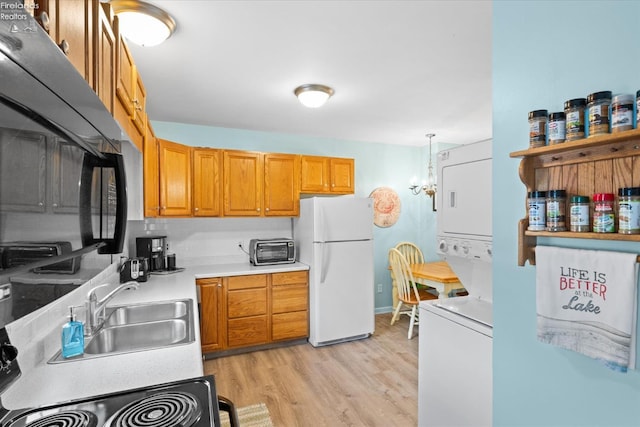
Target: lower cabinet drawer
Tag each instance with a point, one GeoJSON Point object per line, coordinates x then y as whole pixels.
{"type": "Point", "coordinates": [247, 302]}
{"type": "Point", "coordinates": [290, 325]}
{"type": "Point", "coordinates": [247, 331]}
{"type": "Point", "coordinates": [289, 298]}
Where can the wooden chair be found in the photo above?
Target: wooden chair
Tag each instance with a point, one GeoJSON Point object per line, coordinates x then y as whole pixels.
{"type": "Point", "coordinates": [411, 252]}
{"type": "Point", "coordinates": [408, 293]}
{"type": "Point", "coordinates": [413, 255]}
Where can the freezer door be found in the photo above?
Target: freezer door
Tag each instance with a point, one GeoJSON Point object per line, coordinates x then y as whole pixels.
{"type": "Point", "coordinates": [342, 219]}
{"type": "Point", "coordinates": [341, 292]}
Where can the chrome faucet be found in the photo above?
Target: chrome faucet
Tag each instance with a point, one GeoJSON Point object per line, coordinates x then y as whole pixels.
{"type": "Point", "coordinates": [95, 309]}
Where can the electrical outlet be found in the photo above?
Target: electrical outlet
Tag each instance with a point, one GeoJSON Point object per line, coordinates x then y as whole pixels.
{"type": "Point", "coordinates": [379, 288]}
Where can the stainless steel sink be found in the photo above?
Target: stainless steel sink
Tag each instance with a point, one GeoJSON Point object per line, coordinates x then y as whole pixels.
{"type": "Point", "coordinates": [139, 336]}
{"type": "Point", "coordinates": [138, 327]}
{"type": "Point", "coordinates": [140, 313]}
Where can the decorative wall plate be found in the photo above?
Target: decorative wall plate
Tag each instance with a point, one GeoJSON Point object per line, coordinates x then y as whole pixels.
{"type": "Point", "coordinates": [386, 206]}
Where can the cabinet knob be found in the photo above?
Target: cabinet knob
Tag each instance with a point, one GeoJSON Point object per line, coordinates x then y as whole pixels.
{"type": "Point", "coordinates": [196, 209]}
{"type": "Point", "coordinates": [219, 285]}
{"type": "Point", "coordinates": [44, 21]}
{"type": "Point", "coordinates": [267, 210]}
{"type": "Point", "coordinates": [64, 47]}
{"type": "Point", "coordinates": [258, 210]}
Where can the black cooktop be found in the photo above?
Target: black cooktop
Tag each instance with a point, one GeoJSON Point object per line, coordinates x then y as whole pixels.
{"type": "Point", "coordinates": [186, 403]}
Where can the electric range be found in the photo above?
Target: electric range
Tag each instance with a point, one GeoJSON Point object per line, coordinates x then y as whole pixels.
{"type": "Point", "coordinates": [191, 402]}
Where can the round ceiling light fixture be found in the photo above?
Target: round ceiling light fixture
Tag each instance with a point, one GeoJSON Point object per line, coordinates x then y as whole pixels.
{"type": "Point", "coordinates": [313, 95]}
{"type": "Point", "coordinates": [143, 23]}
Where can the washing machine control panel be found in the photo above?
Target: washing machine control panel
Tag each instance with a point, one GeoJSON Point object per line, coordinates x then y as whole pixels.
{"type": "Point", "coordinates": [465, 248]}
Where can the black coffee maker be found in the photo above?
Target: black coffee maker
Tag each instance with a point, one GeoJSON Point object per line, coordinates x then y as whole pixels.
{"type": "Point", "coordinates": [152, 248]}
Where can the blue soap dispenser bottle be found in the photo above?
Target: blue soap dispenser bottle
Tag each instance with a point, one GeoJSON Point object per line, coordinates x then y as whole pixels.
{"type": "Point", "coordinates": [72, 337]}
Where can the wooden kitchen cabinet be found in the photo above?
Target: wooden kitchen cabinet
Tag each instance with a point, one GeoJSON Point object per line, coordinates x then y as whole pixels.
{"type": "Point", "coordinates": [247, 315]}
{"type": "Point", "coordinates": [243, 173]}
{"type": "Point", "coordinates": [212, 314]}
{"type": "Point", "coordinates": [289, 305]}
{"type": "Point", "coordinates": [70, 25]}
{"type": "Point", "coordinates": [207, 182]}
{"type": "Point", "coordinates": [150, 159]}
{"type": "Point", "coordinates": [105, 62]}
{"type": "Point", "coordinates": [327, 175]}
{"type": "Point", "coordinates": [174, 163]}
{"type": "Point", "coordinates": [130, 110]}
{"type": "Point", "coordinates": [599, 164]}
{"type": "Point", "coordinates": [281, 184]}
{"type": "Point", "coordinates": [249, 311]}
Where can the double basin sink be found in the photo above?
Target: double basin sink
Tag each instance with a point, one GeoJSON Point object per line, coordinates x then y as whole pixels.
{"type": "Point", "coordinates": [139, 327]}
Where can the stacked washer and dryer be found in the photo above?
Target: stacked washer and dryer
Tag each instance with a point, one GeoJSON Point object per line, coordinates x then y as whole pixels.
{"type": "Point", "coordinates": [456, 334]}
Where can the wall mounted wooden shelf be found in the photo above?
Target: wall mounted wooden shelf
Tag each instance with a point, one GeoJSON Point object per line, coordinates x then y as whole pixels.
{"type": "Point", "coordinates": [600, 164]}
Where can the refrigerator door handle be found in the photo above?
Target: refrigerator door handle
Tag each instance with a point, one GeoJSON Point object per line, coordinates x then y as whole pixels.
{"type": "Point", "coordinates": [324, 262]}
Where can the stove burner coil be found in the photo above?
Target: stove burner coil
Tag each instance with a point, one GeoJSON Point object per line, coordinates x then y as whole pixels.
{"type": "Point", "coordinates": [166, 409]}
{"type": "Point", "coordinates": [74, 418]}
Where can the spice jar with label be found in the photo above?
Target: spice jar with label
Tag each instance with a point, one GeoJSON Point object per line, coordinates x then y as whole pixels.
{"type": "Point", "coordinates": [579, 214]}
{"type": "Point", "coordinates": [557, 128]}
{"type": "Point", "coordinates": [537, 128]}
{"type": "Point", "coordinates": [598, 106]}
{"type": "Point", "coordinates": [574, 118]}
{"type": "Point", "coordinates": [537, 210]}
{"type": "Point", "coordinates": [556, 210]}
{"type": "Point", "coordinates": [603, 213]}
{"type": "Point", "coordinates": [629, 210]}
{"type": "Point", "coordinates": [621, 113]}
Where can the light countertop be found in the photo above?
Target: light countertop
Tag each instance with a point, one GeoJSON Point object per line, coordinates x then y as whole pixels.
{"type": "Point", "coordinates": [47, 384]}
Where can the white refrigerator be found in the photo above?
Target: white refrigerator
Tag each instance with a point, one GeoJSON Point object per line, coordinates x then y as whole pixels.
{"type": "Point", "coordinates": [334, 236]}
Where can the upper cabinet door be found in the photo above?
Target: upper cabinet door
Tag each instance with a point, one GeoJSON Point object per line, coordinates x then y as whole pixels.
{"type": "Point", "coordinates": [175, 178]}
{"type": "Point", "coordinates": [151, 174]}
{"type": "Point", "coordinates": [314, 174]}
{"type": "Point", "coordinates": [207, 181]}
{"type": "Point", "coordinates": [125, 83]}
{"type": "Point", "coordinates": [327, 175]}
{"type": "Point", "coordinates": [70, 26]}
{"type": "Point", "coordinates": [105, 48]}
{"type": "Point", "coordinates": [243, 183]}
{"type": "Point", "coordinates": [342, 179]}
{"type": "Point", "coordinates": [139, 103]}
{"type": "Point", "coordinates": [281, 185]}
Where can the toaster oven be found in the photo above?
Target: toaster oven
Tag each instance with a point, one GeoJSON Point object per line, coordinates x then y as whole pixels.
{"type": "Point", "coordinates": [272, 251]}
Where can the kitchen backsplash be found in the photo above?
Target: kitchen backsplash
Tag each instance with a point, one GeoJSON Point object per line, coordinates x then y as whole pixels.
{"type": "Point", "coordinates": [208, 240]}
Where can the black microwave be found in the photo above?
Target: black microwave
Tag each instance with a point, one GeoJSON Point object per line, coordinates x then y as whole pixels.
{"type": "Point", "coordinates": [62, 173]}
{"type": "Point", "coordinates": [272, 251]}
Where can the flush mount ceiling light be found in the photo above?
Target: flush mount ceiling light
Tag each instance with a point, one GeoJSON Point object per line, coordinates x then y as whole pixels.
{"type": "Point", "coordinates": [143, 23]}
{"type": "Point", "coordinates": [313, 95]}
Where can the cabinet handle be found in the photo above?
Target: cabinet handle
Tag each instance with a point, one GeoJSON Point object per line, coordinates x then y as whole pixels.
{"type": "Point", "coordinates": [43, 18]}
{"type": "Point", "coordinates": [64, 46]}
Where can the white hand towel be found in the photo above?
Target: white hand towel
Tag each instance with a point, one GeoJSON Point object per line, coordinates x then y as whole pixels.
{"type": "Point", "coordinates": [586, 302]}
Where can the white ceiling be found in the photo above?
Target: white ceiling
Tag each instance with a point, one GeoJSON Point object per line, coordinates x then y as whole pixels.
{"type": "Point", "coordinates": [400, 69]}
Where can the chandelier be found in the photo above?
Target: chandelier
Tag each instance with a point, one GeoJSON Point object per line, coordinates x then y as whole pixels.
{"type": "Point", "coordinates": [429, 187]}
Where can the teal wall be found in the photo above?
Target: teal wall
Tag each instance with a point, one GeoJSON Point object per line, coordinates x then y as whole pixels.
{"type": "Point", "coordinates": [546, 52]}
{"type": "Point", "coordinates": [376, 165]}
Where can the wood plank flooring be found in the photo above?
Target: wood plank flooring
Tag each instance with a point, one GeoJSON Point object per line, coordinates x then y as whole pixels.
{"type": "Point", "coordinates": [370, 382]}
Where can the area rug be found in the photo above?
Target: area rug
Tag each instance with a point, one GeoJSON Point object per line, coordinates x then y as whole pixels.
{"type": "Point", "coordinates": [249, 416]}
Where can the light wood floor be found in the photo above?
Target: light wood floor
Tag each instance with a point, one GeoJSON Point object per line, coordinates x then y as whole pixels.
{"type": "Point", "coordinates": [370, 382]}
